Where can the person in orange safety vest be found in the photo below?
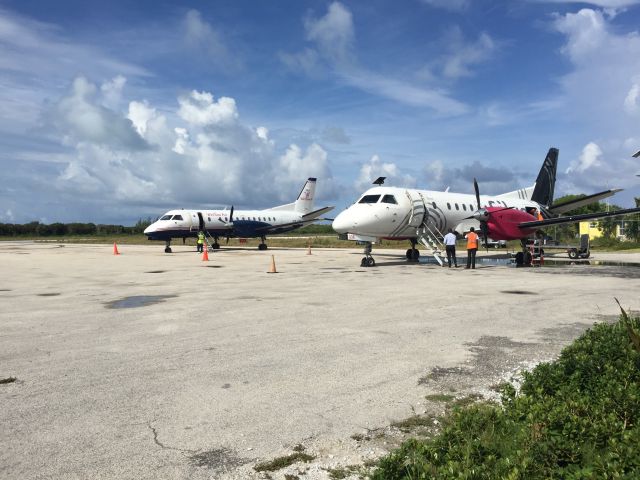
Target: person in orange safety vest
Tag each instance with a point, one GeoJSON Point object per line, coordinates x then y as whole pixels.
{"type": "Point", "coordinates": [472, 247]}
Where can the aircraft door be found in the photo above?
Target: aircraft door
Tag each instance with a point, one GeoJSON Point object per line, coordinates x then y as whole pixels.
{"type": "Point", "coordinates": [418, 210]}
{"type": "Point", "coordinates": [200, 221]}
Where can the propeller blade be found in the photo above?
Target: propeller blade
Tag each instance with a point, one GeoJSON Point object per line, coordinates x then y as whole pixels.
{"type": "Point", "coordinates": [477, 189]}
{"type": "Point", "coordinates": [231, 215]}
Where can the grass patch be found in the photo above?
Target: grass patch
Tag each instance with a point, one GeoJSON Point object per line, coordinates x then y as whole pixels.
{"type": "Point", "coordinates": [576, 418]}
{"type": "Point", "coordinates": [441, 398]}
{"type": "Point", "coordinates": [283, 462]}
{"type": "Point", "coordinates": [414, 423]}
{"type": "Point", "coordinates": [8, 380]}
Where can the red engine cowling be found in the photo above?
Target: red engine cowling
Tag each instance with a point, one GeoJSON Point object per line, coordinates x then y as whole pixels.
{"type": "Point", "coordinates": [502, 224]}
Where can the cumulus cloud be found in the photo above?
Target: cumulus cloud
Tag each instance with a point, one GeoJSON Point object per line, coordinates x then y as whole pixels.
{"type": "Point", "coordinates": [82, 118]}
{"type": "Point", "coordinates": [201, 154]}
{"type": "Point", "coordinates": [600, 94]}
{"type": "Point", "coordinates": [492, 180]}
{"type": "Point", "coordinates": [199, 108]}
{"type": "Point", "coordinates": [598, 3]}
{"type": "Point", "coordinates": [377, 168]}
{"type": "Point", "coordinates": [589, 158]}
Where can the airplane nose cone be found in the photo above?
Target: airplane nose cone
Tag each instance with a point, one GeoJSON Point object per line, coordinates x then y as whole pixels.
{"type": "Point", "coordinates": [343, 223]}
{"type": "Point", "coordinates": [150, 229]}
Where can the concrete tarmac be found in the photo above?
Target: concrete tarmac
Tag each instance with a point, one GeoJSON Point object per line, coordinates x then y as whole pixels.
{"type": "Point", "coordinates": [146, 365]}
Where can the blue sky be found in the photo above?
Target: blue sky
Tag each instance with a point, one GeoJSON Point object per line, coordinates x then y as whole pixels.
{"type": "Point", "coordinates": [114, 111]}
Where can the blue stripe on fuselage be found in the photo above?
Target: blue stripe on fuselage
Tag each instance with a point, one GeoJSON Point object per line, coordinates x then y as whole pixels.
{"type": "Point", "coordinates": [241, 228]}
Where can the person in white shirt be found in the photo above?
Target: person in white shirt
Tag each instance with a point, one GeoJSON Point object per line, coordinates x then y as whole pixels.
{"type": "Point", "coordinates": [450, 245]}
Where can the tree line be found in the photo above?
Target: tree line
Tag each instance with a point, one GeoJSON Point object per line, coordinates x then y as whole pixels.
{"type": "Point", "coordinates": [38, 229]}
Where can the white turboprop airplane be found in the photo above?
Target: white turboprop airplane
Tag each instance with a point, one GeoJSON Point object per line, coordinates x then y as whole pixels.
{"type": "Point", "coordinates": [239, 223]}
{"type": "Point", "coordinates": [424, 215]}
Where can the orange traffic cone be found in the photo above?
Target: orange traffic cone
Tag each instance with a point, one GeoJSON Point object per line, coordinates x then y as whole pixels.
{"type": "Point", "coordinates": [309, 251]}
{"type": "Point", "coordinates": [205, 253]}
{"type": "Point", "coordinates": [272, 269]}
{"type": "Point", "coordinates": [115, 249]}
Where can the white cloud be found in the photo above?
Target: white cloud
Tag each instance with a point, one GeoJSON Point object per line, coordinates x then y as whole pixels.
{"type": "Point", "coordinates": [463, 55]}
{"type": "Point", "coordinates": [376, 168]}
{"type": "Point", "coordinates": [597, 3]}
{"type": "Point", "coordinates": [199, 155]}
{"type": "Point", "coordinates": [82, 118]}
{"type": "Point", "coordinates": [112, 91]}
{"type": "Point", "coordinates": [631, 100]}
{"type": "Point", "coordinates": [334, 37]}
{"type": "Point", "coordinates": [333, 33]}
{"type": "Point", "coordinates": [589, 158]}
{"type": "Point", "coordinates": [199, 108]}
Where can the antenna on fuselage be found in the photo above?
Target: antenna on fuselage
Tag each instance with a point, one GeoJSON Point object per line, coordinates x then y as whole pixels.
{"type": "Point", "coordinates": [379, 181]}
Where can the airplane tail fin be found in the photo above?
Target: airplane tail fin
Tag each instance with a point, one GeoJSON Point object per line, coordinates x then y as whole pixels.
{"type": "Point", "coordinates": [542, 190]}
{"type": "Point", "coordinates": [546, 181]}
{"type": "Point", "coordinates": [304, 202]}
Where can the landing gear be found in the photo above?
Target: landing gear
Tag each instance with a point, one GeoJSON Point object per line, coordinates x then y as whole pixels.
{"type": "Point", "coordinates": [367, 260]}
{"type": "Point", "coordinates": [215, 245]}
{"type": "Point", "coordinates": [413, 254]}
{"type": "Point", "coordinates": [167, 248]}
{"type": "Point", "coordinates": [262, 246]}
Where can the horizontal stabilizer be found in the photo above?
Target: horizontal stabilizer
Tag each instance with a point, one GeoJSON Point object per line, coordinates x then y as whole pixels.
{"type": "Point", "coordinates": [316, 213]}
{"type": "Point", "coordinates": [576, 218]}
{"type": "Point", "coordinates": [582, 201]}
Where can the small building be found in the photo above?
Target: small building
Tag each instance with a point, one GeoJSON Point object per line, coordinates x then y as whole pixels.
{"type": "Point", "coordinates": [591, 228]}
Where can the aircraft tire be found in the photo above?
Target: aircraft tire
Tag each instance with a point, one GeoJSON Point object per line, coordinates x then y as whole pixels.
{"type": "Point", "coordinates": [167, 250]}
{"type": "Point", "coordinates": [262, 246]}
{"type": "Point", "coordinates": [364, 263]}
{"type": "Point", "coordinates": [573, 254]}
{"type": "Point", "coordinates": [371, 262]}
{"type": "Point", "coordinates": [408, 254]}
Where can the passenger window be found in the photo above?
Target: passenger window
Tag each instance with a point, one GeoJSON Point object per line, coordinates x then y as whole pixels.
{"type": "Point", "coordinates": [457, 208]}
{"type": "Point", "coordinates": [166, 217]}
{"type": "Point", "coordinates": [177, 217]}
{"type": "Point", "coordinates": [464, 207]}
{"type": "Point", "coordinates": [470, 207]}
{"type": "Point", "coordinates": [434, 205]}
{"type": "Point", "coordinates": [448, 205]}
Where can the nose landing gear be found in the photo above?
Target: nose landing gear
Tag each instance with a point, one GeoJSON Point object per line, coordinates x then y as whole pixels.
{"type": "Point", "coordinates": [367, 260]}
{"type": "Point", "coordinates": [167, 248]}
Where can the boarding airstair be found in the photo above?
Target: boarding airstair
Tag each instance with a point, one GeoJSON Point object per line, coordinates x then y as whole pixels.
{"type": "Point", "coordinates": [426, 234]}
{"type": "Point", "coordinates": [429, 236]}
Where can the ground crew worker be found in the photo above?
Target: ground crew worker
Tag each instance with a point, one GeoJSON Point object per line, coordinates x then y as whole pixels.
{"type": "Point", "coordinates": [472, 247]}
{"type": "Point", "coordinates": [450, 245]}
{"type": "Point", "coordinates": [200, 241]}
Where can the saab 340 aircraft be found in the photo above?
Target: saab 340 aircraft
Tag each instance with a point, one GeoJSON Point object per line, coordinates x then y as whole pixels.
{"type": "Point", "coordinates": [424, 216]}
{"type": "Point", "coordinates": [225, 223]}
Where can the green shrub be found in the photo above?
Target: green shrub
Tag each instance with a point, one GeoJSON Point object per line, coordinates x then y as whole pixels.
{"type": "Point", "coordinates": [574, 418]}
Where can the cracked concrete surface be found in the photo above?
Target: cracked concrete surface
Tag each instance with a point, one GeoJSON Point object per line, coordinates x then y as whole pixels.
{"type": "Point", "coordinates": [236, 367]}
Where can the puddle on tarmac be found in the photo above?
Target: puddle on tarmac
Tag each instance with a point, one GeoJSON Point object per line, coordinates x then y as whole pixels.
{"type": "Point", "coordinates": [518, 292]}
{"type": "Point", "coordinates": [428, 260]}
{"type": "Point", "coordinates": [52, 294]}
{"type": "Point", "coordinates": [156, 271]}
{"type": "Point", "coordinates": [138, 301]}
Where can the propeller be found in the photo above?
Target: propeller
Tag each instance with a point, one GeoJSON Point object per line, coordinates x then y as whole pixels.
{"type": "Point", "coordinates": [230, 222]}
{"type": "Point", "coordinates": [482, 216]}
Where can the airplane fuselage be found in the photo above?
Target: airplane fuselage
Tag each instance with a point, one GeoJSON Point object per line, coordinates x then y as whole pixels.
{"type": "Point", "coordinates": [216, 223]}
{"type": "Point", "coordinates": [396, 213]}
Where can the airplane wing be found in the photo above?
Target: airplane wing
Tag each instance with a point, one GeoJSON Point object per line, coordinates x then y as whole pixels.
{"type": "Point", "coordinates": [576, 218]}
{"type": "Point", "coordinates": [582, 201]}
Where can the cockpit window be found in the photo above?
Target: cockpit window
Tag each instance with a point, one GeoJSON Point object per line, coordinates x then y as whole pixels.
{"type": "Point", "coordinates": [389, 199]}
{"type": "Point", "coordinates": [165, 217]}
{"type": "Point", "coordinates": [370, 199]}
{"type": "Point", "coordinates": [177, 217]}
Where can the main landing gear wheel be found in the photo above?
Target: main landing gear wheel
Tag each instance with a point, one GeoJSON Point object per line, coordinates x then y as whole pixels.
{"type": "Point", "coordinates": [262, 246]}
{"type": "Point", "coordinates": [368, 262]}
{"type": "Point", "coordinates": [215, 246]}
{"type": "Point", "coordinates": [413, 254]}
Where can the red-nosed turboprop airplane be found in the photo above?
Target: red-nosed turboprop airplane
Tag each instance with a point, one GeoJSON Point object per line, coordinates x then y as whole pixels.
{"type": "Point", "coordinates": [424, 215]}
{"type": "Point", "coordinates": [239, 223]}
